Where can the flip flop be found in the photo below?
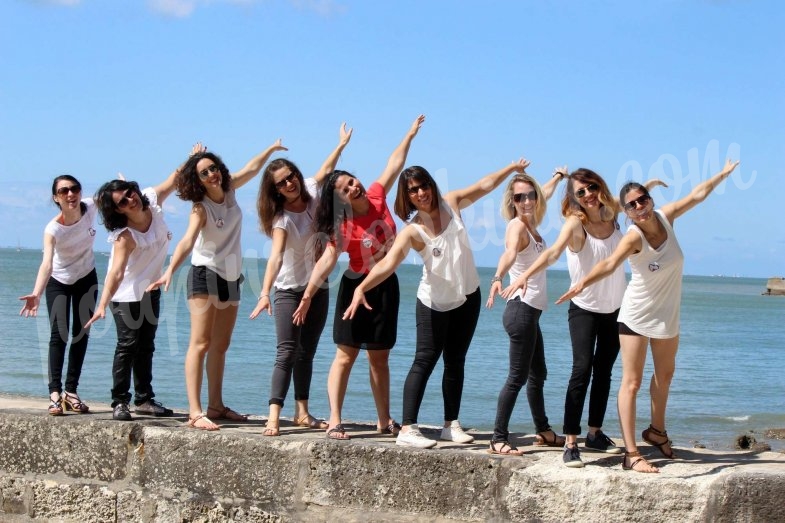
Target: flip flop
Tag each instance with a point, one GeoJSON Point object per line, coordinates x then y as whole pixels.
{"type": "Point", "coordinates": [392, 429]}
{"type": "Point", "coordinates": [227, 414]}
{"type": "Point", "coordinates": [338, 432]}
{"type": "Point", "coordinates": [203, 419]}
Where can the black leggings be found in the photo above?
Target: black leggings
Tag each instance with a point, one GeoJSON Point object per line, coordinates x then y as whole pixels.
{"type": "Point", "coordinates": [440, 333]}
{"type": "Point", "coordinates": [60, 299]}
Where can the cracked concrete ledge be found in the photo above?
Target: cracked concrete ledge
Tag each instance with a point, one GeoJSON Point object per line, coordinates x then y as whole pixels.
{"type": "Point", "coordinates": [89, 468]}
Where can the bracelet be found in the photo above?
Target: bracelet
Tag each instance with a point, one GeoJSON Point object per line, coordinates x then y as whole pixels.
{"type": "Point", "coordinates": [495, 279]}
{"type": "Point", "coordinates": [264, 296]}
{"type": "Point", "coordinates": [559, 174]}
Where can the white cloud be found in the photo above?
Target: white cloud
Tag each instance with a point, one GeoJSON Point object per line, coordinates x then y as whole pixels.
{"type": "Point", "coordinates": [320, 7]}
{"type": "Point", "coordinates": [185, 8]}
{"type": "Point", "coordinates": [64, 3]}
{"type": "Point", "coordinates": [176, 8]}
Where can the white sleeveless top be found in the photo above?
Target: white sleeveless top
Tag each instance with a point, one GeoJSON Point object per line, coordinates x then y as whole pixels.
{"type": "Point", "coordinates": [73, 255]}
{"type": "Point", "coordinates": [298, 254]}
{"type": "Point", "coordinates": [652, 300]}
{"type": "Point", "coordinates": [604, 296]}
{"type": "Point", "coordinates": [146, 263]}
{"type": "Point", "coordinates": [218, 244]}
{"type": "Point", "coordinates": [536, 289]}
{"type": "Point", "coordinates": [448, 272]}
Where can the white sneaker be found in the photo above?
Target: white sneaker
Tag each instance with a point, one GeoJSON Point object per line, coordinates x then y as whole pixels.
{"type": "Point", "coordinates": [414, 438]}
{"type": "Point", "coordinates": [455, 433]}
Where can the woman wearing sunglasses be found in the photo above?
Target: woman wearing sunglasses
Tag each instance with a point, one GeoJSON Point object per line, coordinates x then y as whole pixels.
{"type": "Point", "coordinates": [650, 308]}
{"type": "Point", "coordinates": [286, 205]}
{"type": "Point", "coordinates": [524, 206]}
{"type": "Point", "coordinates": [213, 281]}
{"type": "Point", "coordinates": [67, 276]}
{"type": "Point", "coordinates": [448, 298]}
{"type": "Point", "coordinates": [140, 239]}
{"type": "Point", "coordinates": [355, 220]}
{"type": "Point", "coordinates": [591, 231]}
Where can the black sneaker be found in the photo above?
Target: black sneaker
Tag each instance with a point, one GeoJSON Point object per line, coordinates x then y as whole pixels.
{"type": "Point", "coordinates": [601, 443]}
{"type": "Point", "coordinates": [121, 412]}
{"type": "Point", "coordinates": [572, 456]}
{"type": "Point", "coordinates": [153, 408]}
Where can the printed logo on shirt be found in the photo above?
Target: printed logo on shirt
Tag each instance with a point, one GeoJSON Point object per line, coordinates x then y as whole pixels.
{"type": "Point", "coordinates": [91, 231]}
{"type": "Point", "coordinates": [168, 235]}
{"type": "Point", "coordinates": [654, 267]}
{"type": "Point", "coordinates": [219, 223]}
{"type": "Point", "coordinates": [538, 246]}
{"type": "Point", "coordinates": [437, 252]}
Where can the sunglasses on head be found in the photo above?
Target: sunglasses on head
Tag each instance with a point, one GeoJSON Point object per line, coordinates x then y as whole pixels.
{"type": "Point", "coordinates": [641, 201]}
{"type": "Point", "coordinates": [289, 178]}
{"type": "Point", "coordinates": [592, 187]}
{"type": "Point", "coordinates": [123, 202]}
{"type": "Point", "coordinates": [76, 189]}
{"type": "Point", "coordinates": [523, 196]}
{"type": "Point", "coordinates": [204, 174]}
{"type": "Point", "coordinates": [414, 189]}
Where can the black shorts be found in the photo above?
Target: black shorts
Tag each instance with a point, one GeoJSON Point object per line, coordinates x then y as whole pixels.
{"type": "Point", "coordinates": [202, 280]}
{"type": "Point", "coordinates": [623, 329]}
{"type": "Point", "coordinates": [370, 330]}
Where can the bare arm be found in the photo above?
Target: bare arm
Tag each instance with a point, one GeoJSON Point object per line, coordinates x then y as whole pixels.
{"type": "Point", "coordinates": [274, 264]}
{"type": "Point", "coordinates": [514, 242]}
{"type": "Point", "coordinates": [462, 198]}
{"type": "Point", "coordinates": [184, 247]}
{"type": "Point", "coordinates": [121, 251]}
{"type": "Point", "coordinates": [549, 187]}
{"type": "Point", "coordinates": [255, 165]}
{"type": "Point", "coordinates": [165, 188]}
{"type": "Point", "coordinates": [398, 157]}
{"type": "Point", "coordinates": [699, 193]}
{"type": "Point", "coordinates": [324, 266]}
{"type": "Point", "coordinates": [33, 300]}
{"type": "Point", "coordinates": [332, 160]}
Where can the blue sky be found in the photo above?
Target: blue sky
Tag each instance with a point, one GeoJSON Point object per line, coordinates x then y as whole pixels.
{"type": "Point", "coordinates": [629, 89]}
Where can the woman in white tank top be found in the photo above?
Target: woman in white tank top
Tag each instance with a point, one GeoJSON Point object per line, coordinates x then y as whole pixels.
{"type": "Point", "coordinates": [650, 308]}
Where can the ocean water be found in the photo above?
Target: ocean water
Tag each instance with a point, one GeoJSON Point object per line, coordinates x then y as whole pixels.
{"type": "Point", "coordinates": [729, 377]}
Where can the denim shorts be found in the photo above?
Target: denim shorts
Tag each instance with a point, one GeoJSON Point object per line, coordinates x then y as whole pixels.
{"type": "Point", "coordinates": [202, 280]}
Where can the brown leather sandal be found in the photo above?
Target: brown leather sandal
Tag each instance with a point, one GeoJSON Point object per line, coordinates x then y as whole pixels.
{"type": "Point", "coordinates": [73, 403]}
{"type": "Point", "coordinates": [646, 435]}
{"type": "Point", "coordinates": [548, 438]}
{"type": "Point", "coordinates": [633, 463]}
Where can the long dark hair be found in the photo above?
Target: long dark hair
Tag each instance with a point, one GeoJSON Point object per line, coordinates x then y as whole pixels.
{"type": "Point", "coordinates": [331, 212]}
{"type": "Point", "coordinates": [189, 187]}
{"type": "Point", "coordinates": [270, 201]}
{"type": "Point", "coordinates": [609, 208]}
{"type": "Point", "coordinates": [112, 219]}
{"type": "Point", "coordinates": [69, 178]}
{"type": "Point", "coordinates": [404, 207]}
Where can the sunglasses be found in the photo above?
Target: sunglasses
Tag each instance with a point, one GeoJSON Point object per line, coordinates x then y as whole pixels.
{"type": "Point", "coordinates": [203, 175]}
{"type": "Point", "coordinates": [523, 196]}
{"type": "Point", "coordinates": [76, 189]}
{"type": "Point", "coordinates": [282, 183]}
{"type": "Point", "coordinates": [641, 201]}
{"type": "Point", "coordinates": [592, 187]}
{"type": "Point", "coordinates": [414, 189]}
{"type": "Point", "coordinates": [123, 202]}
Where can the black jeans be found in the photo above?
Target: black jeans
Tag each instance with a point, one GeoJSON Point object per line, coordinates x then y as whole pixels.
{"type": "Point", "coordinates": [527, 365]}
{"type": "Point", "coordinates": [60, 299]}
{"type": "Point", "coordinates": [296, 343]}
{"type": "Point", "coordinates": [595, 347]}
{"type": "Point", "coordinates": [447, 334]}
{"type": "Point", "coordinates": [136, 323]}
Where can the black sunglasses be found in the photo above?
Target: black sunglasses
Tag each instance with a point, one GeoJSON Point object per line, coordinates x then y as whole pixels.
{"type": "Point", "coordinates": [531, 196]}
{"type": "Point", "coordinates": [414, 189]}
{"type": "Point", "coordinates": [123, 202]}
{"type": "Point", "coordinates": [204, 174]}
{"type": "Point", "coordinates": [641, 201]}
{"type": "Point", "coordinates": [282, 183]}
{"type": "Point", "coordinates": [76, 189]}
{"type": "Point", "coordinates": [592, 187]}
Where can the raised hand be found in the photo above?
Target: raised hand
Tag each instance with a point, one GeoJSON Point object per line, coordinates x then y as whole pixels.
{"type": "Point", "coordinates": [278, 146]}
{"type": "Point", "coordinates": [416, 125]}
{"type": "Point", "coordinates": [197, 148]}
{"type": "Point", "coordinates": [521, 165]}
{"type": "Point", "coordinates": [344, 134]}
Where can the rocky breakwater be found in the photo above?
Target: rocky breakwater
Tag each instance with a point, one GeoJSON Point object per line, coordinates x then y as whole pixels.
{"type": "Point", "coordinates": [90, 468]}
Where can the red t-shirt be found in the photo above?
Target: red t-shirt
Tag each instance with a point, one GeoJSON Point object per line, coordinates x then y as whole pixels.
{"type": "Point", "coordinates": [364, 236]}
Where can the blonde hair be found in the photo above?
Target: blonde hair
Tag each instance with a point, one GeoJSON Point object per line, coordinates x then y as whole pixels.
{"type": "Point", "coordinates": [508, 211]}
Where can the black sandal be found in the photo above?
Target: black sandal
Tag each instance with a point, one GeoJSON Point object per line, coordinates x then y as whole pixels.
{"type": "Point", "coordinates": [506, 449]}
{"type": "Point", "coordinates": [55, 406]}
{"type": "Point", "coordinates": [72, 402]}
{"type": "Point", "coordinates": [541, 439]}
{"type": "Point", "coordinates": [392, 429]}
{"type": "Point", "coordinates": [646, 435]}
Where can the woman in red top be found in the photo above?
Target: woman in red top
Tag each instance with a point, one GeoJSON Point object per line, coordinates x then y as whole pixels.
{"type": "Point", "coordinates": [355, 220]}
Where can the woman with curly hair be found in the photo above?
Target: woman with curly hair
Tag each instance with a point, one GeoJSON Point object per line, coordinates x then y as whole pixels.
{"type": "Point", "coordinates": [355, 220]}
{"type": "Point", "coordinates": [286, 205]}
{"type": "Point", "coordinates": [213, 284]}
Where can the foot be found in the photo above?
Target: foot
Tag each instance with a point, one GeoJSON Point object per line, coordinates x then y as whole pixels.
{"type": "Point", "coordinates": [152, 408]}
{"type": "Point", "coordinates": [72, 402]}
{"type": "Point", "coordinates": [202, 422]}
{"type": "Point", "coordinates": [663, 443]}
{"type": "Point", "coordinates": [271, 430]}
{"type": "Point", "coordinates": [310, 422]}
{"type": "Point", "coordinates": [548, 438]}
{"type": "Point", "coordinates": [504, 447]}
{"type": "Point", "coordinates": [454, 432]}
{"type": "Point", "coordinates": [414, 438]}
{"type": "Point", "coordinates": [637, 463]}
{"type": "Point", "coordinates": [121, 412]}
{"type": "Point", "coordinates": [572, 456]}
{"type": "Point", "coordinates": [601, 443]}
{"type": "Point", "coordinates": [393, 428]}
{"type": "Point", "coordinates": [55, 405]}
{"type": "Point", "coordinates": [337, 432]}
{"type": "Point", "coordinates": [225, 413]}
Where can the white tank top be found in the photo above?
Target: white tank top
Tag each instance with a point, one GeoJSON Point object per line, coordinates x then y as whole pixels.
{"type": "Point", "coordinates": [604, 296]}
{"type": "Point", "coordinates": [73, 257]}
{"type": "Point", "coordinates": [218, 244]}
{"type": "Point", "coordinates": [652, 300]}
{"type": "Point", "coordinates": [536, 289]}
{"type": "Point", "coordinates": [448, 272]}
{"type": "Point", "coordinates": [298, 254]}
{"type": "Point", "coordinates": [146, 263]}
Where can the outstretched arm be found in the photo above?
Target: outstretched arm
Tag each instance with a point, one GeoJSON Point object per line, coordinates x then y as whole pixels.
{"type": "Point", "coordinates": [274, 264]}
{"type": "Point", "coordinates": [184, 247]}
{"type": "Point", "coordinates": [121, 251]}
{"type": "Point", "coordinates": [329, 164]}
{"type": "Point", "coordinates": [165, 188]}
{"type": "Point", "coordinates": [398, 157]}
{"type": "Point", "coordinates": [515, 240]}
{"type": "Point", "coordinates": [462, 198]}
{"type": "Point", "coordinates": [255, 165]}
{"type": "Point", "coordinates": [324, 266]}
{"type": "Point", "coordinates": [549, 187]}
{"type": "Point", "coordinates": [699, 193]}
{"type": "Point", "coordinates": [30, 307]}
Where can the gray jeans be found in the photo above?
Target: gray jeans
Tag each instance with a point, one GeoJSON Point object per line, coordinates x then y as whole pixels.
{"type": "Point", "coordinates": [296, 343]}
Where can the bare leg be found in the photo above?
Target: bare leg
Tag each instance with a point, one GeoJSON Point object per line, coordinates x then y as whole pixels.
{"type": "Point", "coordinates": [664, 355]}
{"type": "Point", "coordinates": [338, 379]}
{"type": "Point", "coordinates": [202, 315]}
{"type": "Point", "coordinates": [273, 421]}
{"type": "Point", "coordinates": [223, 325]}
{"type": "Point", "coordinates": [379, 370]}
